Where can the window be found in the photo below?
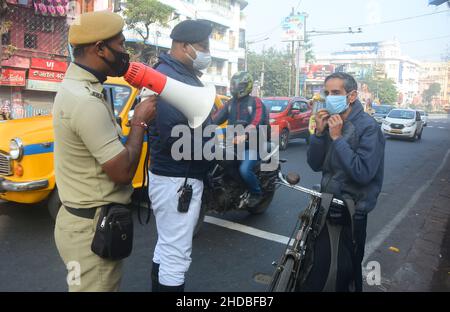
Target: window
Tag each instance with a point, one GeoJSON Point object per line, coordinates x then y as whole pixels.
{"type": "Point", "coordinates": [6, 38]}
{"type": "Point", "coordinates": [34, 24]}
{"type": "Point", "coordinates": [295, 106]}
{"type": "Point", "coordinates": [242, 38]}
{"type": "Point", "coordinates": [232, 40]}
{"type": "Point", "coordinates": [120, 96]}
{"type": "Point", "coordinates": [303, 107]}
{"type": "Point", "coordinates": [47, 25]}
{"type": "Point", "coordinates": [241, 64]}
{"type": "Point", "coordinates": [30, 41]}
{"type": "Point", "coordinates": [276, 106]}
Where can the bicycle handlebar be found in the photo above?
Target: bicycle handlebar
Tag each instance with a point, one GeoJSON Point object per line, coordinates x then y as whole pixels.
{"type": "Point", "coordinates": [283, 181]}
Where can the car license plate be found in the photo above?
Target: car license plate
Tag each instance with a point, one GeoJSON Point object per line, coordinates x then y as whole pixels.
{"type": "Point", "coordinates": [396, 131]}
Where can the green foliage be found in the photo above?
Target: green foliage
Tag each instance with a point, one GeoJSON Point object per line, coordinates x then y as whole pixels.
{"type": "Point", "coordinates": [432, 90]}
{"type": "Point", "coordinates": [309, 54]}
{"type": "Point", "coordinates": [140, 14]}
{"type": "Point", "coordinates": [276, 71]}
{"type": "Point", "coordinates": [384, 89]}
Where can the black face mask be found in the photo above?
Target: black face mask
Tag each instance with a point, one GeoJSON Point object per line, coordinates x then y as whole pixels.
{"type": "Point", "coordinates": [121, 62]}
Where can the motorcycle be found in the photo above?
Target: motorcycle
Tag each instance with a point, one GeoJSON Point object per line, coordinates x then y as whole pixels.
{"type": "Point", "coordinates": [225, 190]}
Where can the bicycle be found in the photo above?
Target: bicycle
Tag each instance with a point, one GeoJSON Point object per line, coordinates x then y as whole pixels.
{"type": "Point", "coordinates": [291, 266]}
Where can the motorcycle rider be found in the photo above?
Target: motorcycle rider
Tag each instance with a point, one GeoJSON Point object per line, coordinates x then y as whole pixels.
{"type": "Point", "coordinates": [243, 107]}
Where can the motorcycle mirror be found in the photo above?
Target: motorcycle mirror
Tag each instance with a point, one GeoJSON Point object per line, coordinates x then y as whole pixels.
{"type": "Point", "coordinates": [293, 178]}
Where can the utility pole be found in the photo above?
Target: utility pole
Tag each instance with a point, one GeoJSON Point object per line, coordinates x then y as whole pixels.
{"type": "Point", "coordinates": [293, 80]}
{"type": "Point", "coordinates": [293, 69]}
{"type": "Point", "coordinates": [262, 74]}
{"type": "Point", "coordinates": [297, 72]}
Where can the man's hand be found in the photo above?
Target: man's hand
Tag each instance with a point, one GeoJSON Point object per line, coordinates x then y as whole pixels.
{"type": "Point", "coordinates": [146, 110]}
{"type": "Point", "coordinates": [239, 139]}
{"type": "Point", "coordinates": [335, 124]}
{"type": "Point", "coordinates": [321, 120]}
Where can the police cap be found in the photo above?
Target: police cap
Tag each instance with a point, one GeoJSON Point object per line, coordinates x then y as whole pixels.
{"type": "Point", "coordinates": [95, 26]}
{"type": "Point", "coordinates": [191, 31]}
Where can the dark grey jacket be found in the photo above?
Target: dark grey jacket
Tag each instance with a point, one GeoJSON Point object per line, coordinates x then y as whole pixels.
{"type": "Point", "coordinates": [353, 164]}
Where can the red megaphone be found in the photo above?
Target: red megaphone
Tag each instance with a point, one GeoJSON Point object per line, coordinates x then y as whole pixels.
{"type": "Point", "coordinates": [194, 102]}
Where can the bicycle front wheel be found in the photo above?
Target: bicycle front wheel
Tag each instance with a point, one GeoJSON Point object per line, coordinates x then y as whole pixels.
{"type": "Point", "coordinates": [286, 277]}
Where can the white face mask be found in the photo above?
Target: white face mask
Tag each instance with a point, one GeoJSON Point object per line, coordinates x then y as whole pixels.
{"type": "Point", "coordinates": [202, 61]}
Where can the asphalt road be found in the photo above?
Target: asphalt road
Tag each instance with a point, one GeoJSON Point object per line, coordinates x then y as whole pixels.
{"type": "Point", "coordinates": [226, 259]}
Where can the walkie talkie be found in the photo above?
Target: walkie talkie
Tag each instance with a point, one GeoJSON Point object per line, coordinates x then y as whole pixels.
{"type": "Point", "coordinates": [185, 196]}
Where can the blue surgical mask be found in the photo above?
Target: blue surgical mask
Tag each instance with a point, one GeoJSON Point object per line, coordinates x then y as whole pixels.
{"type": "Point", "coordinates": [202, 61]}
{"type": "Point", "coordinates": [336, 104]}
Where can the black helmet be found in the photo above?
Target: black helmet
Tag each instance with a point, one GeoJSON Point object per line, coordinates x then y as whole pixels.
{"type": "Point", "coordinates": [241, 84]}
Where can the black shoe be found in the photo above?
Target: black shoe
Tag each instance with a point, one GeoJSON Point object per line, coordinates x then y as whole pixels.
{"type": "Point", "coordinates": [254, 199]}
{"type": "Point", "coordinates": [164, 288]}
{"type": "Point", "coordinates": [155, 278]}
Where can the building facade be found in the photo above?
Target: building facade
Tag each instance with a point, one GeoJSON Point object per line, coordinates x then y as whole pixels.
{"type": "Point", "coordinates": [383, 59]}
{"type": "Point", "coordinates": [436, 72]}
{"type": "Point", "coordinates": [34, 53]}
{"type": "Point", "coordinates": [227, 41]}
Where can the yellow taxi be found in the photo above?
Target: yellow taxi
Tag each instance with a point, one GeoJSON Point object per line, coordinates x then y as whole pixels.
{"type": "Point", "coordinates": [26, 150]}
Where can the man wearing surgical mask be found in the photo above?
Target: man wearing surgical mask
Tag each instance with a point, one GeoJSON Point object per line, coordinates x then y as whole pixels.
{"type": "Point", "coordinates": [188, 56]}
{"type": "Point", "coordinates": [348, 148]}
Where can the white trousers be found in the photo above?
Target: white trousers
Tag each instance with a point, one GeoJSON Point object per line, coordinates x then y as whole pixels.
{"type": "Point", "coordinates": [175, 230]}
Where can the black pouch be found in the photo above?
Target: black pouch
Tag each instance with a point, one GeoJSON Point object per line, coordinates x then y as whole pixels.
{"type": "Point", "coordinates": [113, 238]}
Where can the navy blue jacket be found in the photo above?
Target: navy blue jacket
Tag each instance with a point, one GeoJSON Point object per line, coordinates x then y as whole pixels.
{"type": "Point", "coordinates": [354, 163]}
{"type": "Point", "coordinates": [167, 117]}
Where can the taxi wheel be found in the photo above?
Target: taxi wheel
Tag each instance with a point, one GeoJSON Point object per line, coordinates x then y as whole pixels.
{"type": "Point", "coordinates": [284, 139]}
{"type": "Point", "coordinates": [54, 204]}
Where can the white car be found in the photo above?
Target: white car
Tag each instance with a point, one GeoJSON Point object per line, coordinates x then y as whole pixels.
{"type": "Point", "coordinates": [424, 116]}
{"type": "Point", "coordinates": [403, 123]}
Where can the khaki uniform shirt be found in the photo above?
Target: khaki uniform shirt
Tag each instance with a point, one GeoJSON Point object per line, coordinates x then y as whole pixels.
{"type": "Point", "coordinates": [86, 137]}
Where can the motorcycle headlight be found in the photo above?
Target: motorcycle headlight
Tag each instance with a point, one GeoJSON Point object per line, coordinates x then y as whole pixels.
{"type": "Point", "coordinates": [16, 149]}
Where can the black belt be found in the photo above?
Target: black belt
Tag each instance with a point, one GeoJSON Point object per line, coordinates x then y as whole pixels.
{"type": "Point", "coordinates": [88, 213]}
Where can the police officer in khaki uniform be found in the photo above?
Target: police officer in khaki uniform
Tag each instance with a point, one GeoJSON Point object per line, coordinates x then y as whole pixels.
{"type": "Point", "coordinates": [92, 167]}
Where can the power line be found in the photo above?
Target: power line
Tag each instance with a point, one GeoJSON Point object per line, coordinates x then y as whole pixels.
{"type": "Point", "coordinates": [362, 25]}
{"type": "Point", "coordinates": [266, 33]}
{"type": "Point", "coordinates": [269, 32]}
{"type": "Point", "coordinates": [425, 39]}
{"type": "Point", "coordinates": [396, 20]}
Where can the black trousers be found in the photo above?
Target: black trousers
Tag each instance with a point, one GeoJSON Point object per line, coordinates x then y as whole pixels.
{"type": "Point", "coordinates": [349, 259]}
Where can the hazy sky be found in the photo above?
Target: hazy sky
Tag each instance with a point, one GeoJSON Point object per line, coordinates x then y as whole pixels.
{"type": "Point", "coordinates": [420, 38]}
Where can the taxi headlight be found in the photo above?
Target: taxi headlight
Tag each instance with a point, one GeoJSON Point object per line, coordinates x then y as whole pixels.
{"type": "Point", "coordinates": [16, 149]}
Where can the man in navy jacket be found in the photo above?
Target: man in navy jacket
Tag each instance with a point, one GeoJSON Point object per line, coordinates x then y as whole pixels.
{"type": "Point", "coordinates": [172, 256]}
{"type": "Point", "coordinates": [348, 148]}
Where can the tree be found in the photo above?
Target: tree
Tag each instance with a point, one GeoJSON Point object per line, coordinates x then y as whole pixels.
{"type": "Point", "coordinates": [276, 70]}
{"type": "Point", "coordinates": [309, 54]}
{"type": "Point", "coordinates": [139, 15]}
{"type": "Point", "coordinates": [384, 89]}
{"type": "Point", "coordinates": [432, 91]}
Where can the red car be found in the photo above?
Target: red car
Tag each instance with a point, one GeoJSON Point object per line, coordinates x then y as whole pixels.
{"type": "Point", "coordinates": [291, 115]}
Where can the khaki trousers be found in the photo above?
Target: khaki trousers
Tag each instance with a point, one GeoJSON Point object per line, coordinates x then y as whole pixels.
{"type": "Point", "coordinates": [85, 270]}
